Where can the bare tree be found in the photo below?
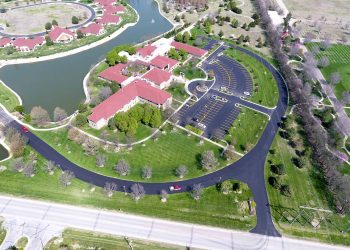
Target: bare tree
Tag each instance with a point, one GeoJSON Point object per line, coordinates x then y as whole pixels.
{"type": "Point", "coordinates": [164, 195]}
{"type": "Point", "coordinates": [17, 143]}
{"type": "Point", "coordinates": [323, 62]}
{"type": "Point", "coordinates": [181, 171]}
{"type": "Point", "coordinates": [29, 169]}
{"type": "Point", "coordinates": [18, 164]}
{"type": "Point", "coordinates": [315, 50]}
{"type": "Point", "coordinates": [50, 167]}
{"type": "Point", "coordinates": [59, 114]}
{"type": "Point", "coordinates": [208, 160]}
{"type": "Point", "coordinates": [105, 92]}
{"type": "Point", "coordinates": [326, 42]}
{"type": "Point", "coordinates": [39, 116]}
{"type": "Point", "coordinates": [335, 78]}
{"type": "Point", "coordinates": [137, 191]}
{"type": "Point", "coordinates": [197, 191]}
{"type": "Point", "coordinates": [229, 153]}
{"type": "Point", "coordinates": [100, 160]}
{"type": "Point", "coordinates": [90, 146]}
{"type": "Point", "coordinates": [122, 167]}
{"type": "Point", "coordinates": [73, 133]}
{"type": "Point", "coordinates": [110, 188]}
{"type": "Point", "coordinates": [66, 178]}
{"type": "Point", "coordinates": [146, 172]}
{"type": "Point", "coordinates": [309, 36]}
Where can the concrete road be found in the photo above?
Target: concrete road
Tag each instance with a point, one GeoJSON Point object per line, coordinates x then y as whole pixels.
{"type": "Point", "coordinates": [58, 216]}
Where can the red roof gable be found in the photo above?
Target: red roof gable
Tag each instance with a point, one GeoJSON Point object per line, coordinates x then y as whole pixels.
{"type": "Point", "coordinates": [93, 28]}
{"type": "Point", "coordinates": [4, 41]}
{"type": "Point", "coordinates": [108, 18]}
{"type": "Point", "coordinates": [111, 9]}
{"type": "Point", "coordinates": [114, 73]}
{"type": "Point", "coordinates": [147, 50]}
{"type": "Point", "coordinates": [163, 61]}
{"type": "Point", "coordinates": [157, 76]}
{"type": "Point", "coordinates": [105, 2]}
{"type": "Point", "coordinates": [117, 101]}
{"type": "Point", "coordinates": [57, 31]}
{"type": "Point", "coordinates": [190, 49]}
{"type": "Point", "coordinates": [29, 43]}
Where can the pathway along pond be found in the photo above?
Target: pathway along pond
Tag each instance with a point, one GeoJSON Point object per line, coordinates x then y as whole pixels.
{"type": "Point", "coordinates": [59, 82]}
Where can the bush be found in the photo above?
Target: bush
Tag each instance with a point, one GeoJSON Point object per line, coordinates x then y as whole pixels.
{"type": "Point", "coordinates": [297, 162]}
{"type": "Point", "coordinates": [19, 109]}
{"type": "Point", "coordinates": [80, 120]}
{"type": "Point", "coordinates": [285, 190]}
{"type": "Point", "coordinates": [277, 169]}
{"type": "Point", "coordinates": [273, 181]}
{"type": "Point", "coordinates": [75, 20]}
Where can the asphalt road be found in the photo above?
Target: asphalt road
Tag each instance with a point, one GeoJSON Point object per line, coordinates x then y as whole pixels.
{"type": "Point", "coordinates": [249, 169]}
{"type": "Point", "coordinates": [40, 220]}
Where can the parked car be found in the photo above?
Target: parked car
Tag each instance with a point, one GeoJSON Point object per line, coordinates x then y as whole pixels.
{"type": "Point", "coordinates": [24, 129]}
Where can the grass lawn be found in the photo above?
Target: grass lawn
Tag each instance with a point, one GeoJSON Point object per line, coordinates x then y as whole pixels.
{"type": "Point", "coordinates": [308, 189]}
{"type": "Point", "coordinates": [22, 242]}
{"type": "Point", "coordinates": [178, 92]}
{"type": "Point", "coordinates": [170, 150]}
{"type": "Point", "coordinates": [142, 132]}
{"type": "Point", "coordinates": [265, 91]}
{"type": "Point", "coordinates": [339, 58]}
{"type": "Point", "coordinates": [2, 234]}
{"type": "Point", "coordinates": [190, 70]}
{"type": "Point", "coordinates": [129, 16]}
{"type": "Point", "coordinates": [93, 240]}
{"type": "Point", "coordinates": [246, 129]}
{"type": "Point", "coordinates": [214, 208]}
{"type": "Point", "coordinates": [7, 98]}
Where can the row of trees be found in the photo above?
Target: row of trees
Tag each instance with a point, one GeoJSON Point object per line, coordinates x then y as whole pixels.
{"type": "Point", "coordinates": [316, 136]}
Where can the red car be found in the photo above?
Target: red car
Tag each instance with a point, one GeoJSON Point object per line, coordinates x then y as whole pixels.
{"type": "Point", "coordinates": [24, 129]}
{"type": "Point", "coordinates": [175, 188]}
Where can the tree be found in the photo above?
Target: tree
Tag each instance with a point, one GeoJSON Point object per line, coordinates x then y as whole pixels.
{"type": "Point", "coordinates": [54, 22]}
{"type": "Point", "coordinates": [80, 120]}
{"type": "Point", "coordinates": [105, 92]}
{"type": "Point", "coordinates": [164, 195]}
{"type": "Point", "coordinates": [29, 169]}
{"type": "Point", "coordinates": [20, 109]}
{"type": "Point", "coordinates": [197, 191]}
{"type": "Point", "coordinates": [122, 168]}
{"type": "Point", "coordinates": [18, 164]}
{"type": "Point", "coordinates": [48, 26]}
{"type": "Point", "coordinates": [80, 34]}
{"type": "Point", "coordinates": [181, 171]}
{"type": "Point", "coordinates": [146, 172]}
{"type": "Point", "coordinates": [226, 187]}
{"type": "Point", "coordinates": [59, 114]}
{"type": "Point", "coordinates": [221, 33]}
{"type": "Point", "coordinates": [208, 160]}
{"type": "Point", "coordinates": [335, 78]}
{"type": "Point", "coordinates": [66, 178]}
{"type": "Point", "coordinates": [156, 118]}
{"type": "Point", "coordinates": [90, 146]}
{"type": "Point", "coordinates": [178, 37]}
{"type": "Point", "coordinates": [234, 23]}
{"type": "Point", "coordinates": [110, 188]}
{"type": "Point", "coordinates": [273, 182]}
{"type": "Point", "coordinates": [48, 41]}
{"type": "Point", "coordinates": [137, 191]}
{"type": "Point", "coordinates": [39, 116]}
{"type": "Point", "coordinates": [186, 37]}
{"type": "Point", "coordinates": [278, 169]}
{"type": "Point", "coordinates": [100, 160]}
{"type": "Point", "coordinates": [50, 167]}
{"type": "Point", "coordinates": [75, 20]}
{"type": "Point", "coordinates": [285, 190]}
{"type": "Point", "coordinates": [17, 143]}
{"type": "Point", "coordinates": [229, 153]}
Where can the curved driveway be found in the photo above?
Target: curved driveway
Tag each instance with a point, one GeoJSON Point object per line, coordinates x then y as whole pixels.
{"type": "Point", "coordinates": [249, 169]}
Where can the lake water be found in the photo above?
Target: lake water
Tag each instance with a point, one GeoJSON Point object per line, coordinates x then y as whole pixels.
{"type": "Point", "coordinates": [3, 153]}
{"type": "Point", "coordinates": [59, 82]}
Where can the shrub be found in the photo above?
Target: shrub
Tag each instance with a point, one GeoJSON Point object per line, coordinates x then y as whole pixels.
{"type": "Point", "coordinates": [273, 181]}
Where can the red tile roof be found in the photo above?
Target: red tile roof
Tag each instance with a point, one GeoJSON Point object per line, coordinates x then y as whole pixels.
{"type": "Point", "coordinates": [57, 31]}
{"type": "Point", "coordinates": [114, 73]}
{"type": "Point", "coordinates": [108, 19]}
{"type": "Point", "coordinates": [190, 49]}
{"type": "Point", "coordinates": [147, 50]}
{"type": "Point", "coordinates": [117, 101]}
{"type": "Point", "coordinates": [111, 9]}
{"type": "Point", "coordinates": [105, 2]}
{"type": "Point", "coordinates": [93, 28]}
{"type": "Point", "coordinates": [4, 41]}
{"type": "Point", "coordinates": [163, 61]}
{"type": "Point", "coordinates": [157, 76]}
{"type": "Point", "coordinates": [29, 43]}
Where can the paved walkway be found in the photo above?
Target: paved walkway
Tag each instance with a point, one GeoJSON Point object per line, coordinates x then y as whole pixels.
{"type": "Point", "coordinates": [42, 220]}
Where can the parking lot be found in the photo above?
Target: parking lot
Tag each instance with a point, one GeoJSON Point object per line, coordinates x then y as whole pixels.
{"type": "Point", "coordinates": [216, 110]}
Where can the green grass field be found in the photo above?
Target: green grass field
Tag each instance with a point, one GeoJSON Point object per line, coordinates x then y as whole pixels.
{"type": "Point", "coordinates": [190, 70]}
{"type": "Point", "coordinates": [178, 92]}
{"type": "Point", "coordinates": [308, 189]}
{"type": "Point", "coordinates": [265, 90]}
{"type": "Point", "coordinates": [2, 234]}
{"type": "Point", "coordinates": [339, 58]}
{"type": "Point", "coordinates": [22, 242]}
{"type": "Point", "coordinates": [246, 129]}
{"type": "Point", "coordinates": [7, 98]}
{"type": "Point", "coordinates": [164, 155]}
{"type": "Point", "coordinates": [214, 208]}
{"type": "Point", "coordinates": [93, 240]}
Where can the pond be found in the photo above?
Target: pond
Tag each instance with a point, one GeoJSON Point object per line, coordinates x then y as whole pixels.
{"type": "Point", "coordinates": [59, 82]}
{"type": "Point", "coordinates": [3, 152]}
